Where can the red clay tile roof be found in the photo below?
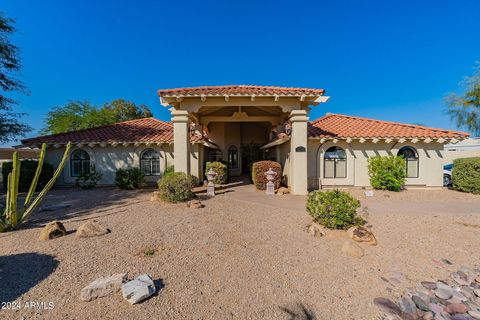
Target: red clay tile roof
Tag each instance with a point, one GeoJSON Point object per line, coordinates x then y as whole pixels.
{"type": "Point", "coordinates": [139, 130]}
{"type": "Point", "coordinates": [342, 126]}
{"type": "Point", "coordinates": [240, 90]}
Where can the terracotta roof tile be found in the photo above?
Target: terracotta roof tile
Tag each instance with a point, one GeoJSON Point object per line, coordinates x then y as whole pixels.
{"type": "Point", "coordinates": [342, 126]}
{"type": "Point", "coordinates": [240, 90]}
{"type": "Point", "coordinates": [139, 130]}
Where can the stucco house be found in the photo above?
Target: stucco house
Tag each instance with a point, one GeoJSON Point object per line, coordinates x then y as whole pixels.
{"type": "Point", "coordinates": [222, 122]}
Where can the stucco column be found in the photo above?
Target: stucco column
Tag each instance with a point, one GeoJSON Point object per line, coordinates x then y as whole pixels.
{"type": "Point", "coordinates": [298, 175]}
{"type": "Point", "coordinates": [181, 141]}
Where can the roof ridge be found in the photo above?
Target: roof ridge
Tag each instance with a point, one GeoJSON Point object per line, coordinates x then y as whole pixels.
{"type": "Point", "coordinates": [388, 122]}
{"type": "Point", "coordinates": [96, 128]}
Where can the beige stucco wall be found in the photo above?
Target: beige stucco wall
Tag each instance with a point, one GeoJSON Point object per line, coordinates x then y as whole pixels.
{"type": "Point", "coordinates": [108, 159]}
{"type": "Point", "coordinates": [430, 163]}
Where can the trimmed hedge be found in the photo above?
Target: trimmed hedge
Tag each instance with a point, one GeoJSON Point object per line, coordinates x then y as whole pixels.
{"type": "Point", "coordinates": [129, 179]}
{"type": "Point", "coordinates": [258, 173]}
{"type": "Point", "coordinates": [220, 168]}
{"type": "Point", "coordinates": [387, 173]}
{"type": "Point", "coordinates": [334, 209]}
{"type": "Point", "coordinates": [466, 175]}
{"type": "Point", "coordinates": [27, 172]}
{"type": "Point", "coordinates": [176, 187]}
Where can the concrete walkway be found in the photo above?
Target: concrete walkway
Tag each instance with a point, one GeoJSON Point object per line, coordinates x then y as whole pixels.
{"type": "Point", "coordinates": [243, 190]}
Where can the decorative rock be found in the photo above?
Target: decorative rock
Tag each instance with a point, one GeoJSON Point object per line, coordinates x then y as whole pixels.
{"type": "Point", "coordinates": [477, 292]}
{"type": "Point", "coordinates": [316, 230]}
{"type": "Point", "coordinates": [428, 316]}
{"type": "Point", "coordinates": [369, 193]}
{"type": "Point", "coordinates": [407, 306]}
{"type": "Point", "coordinates": [460, 278]}
{"type": "Point", "coordinates": [429, 285]}
{"type": "Point", "coordinates": [443, 285]}
{"type": "Point", "coordinates": [102, 287]}
{"type": "Point", "coordinates": [443, 294]}
{"type": "Point", "coordinates": [458, 295]}
{"type": "Point", "coordinates": [282, 191]}
{"type": "Point", "coordinates": [91, 229]}
{"type": "Point", "coordinates": [474, 313]}
{"type": "Point", "coordinates": [52, 230]}
{"type": "Point", "coordinates": [387, 306]}
{"type": "Point", "coordinates": [138, 289]}
{"type": "Point", "coordinates": [477, 279]}
{"type": "Point", "coordinates": [435, 308]}
{"type": "Point", "coordinates": [195, 204]}
{"type": "Point", "coordinates": [456, 308]}
{"type": "Point", "coordinates": [361, 234]}
{"type": "Point", "coordinates": [352, 249]}
{"type": "Point", "coordinates": [155, 196]}
{"type": "Point", "coordinates": [420, 303]}
{"type": "Point", "coordinates": [460, 317]}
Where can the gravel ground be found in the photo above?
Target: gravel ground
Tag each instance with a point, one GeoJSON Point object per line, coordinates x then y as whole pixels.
{"type": "Point", "coordinates": [233, 259]}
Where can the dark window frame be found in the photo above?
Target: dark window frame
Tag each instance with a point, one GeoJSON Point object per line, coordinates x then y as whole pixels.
{"type": "Point", "coordinates": [81, 157]}
{"type": "Point", "coordinates": [335, 163]}
{"type": "Point", "coordinates": [407, 160]}
{"type": "Point", "coordinates": [151, 160]}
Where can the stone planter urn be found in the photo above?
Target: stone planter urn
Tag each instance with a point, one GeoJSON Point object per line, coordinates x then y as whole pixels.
{"type": "Point", "coordinates": [270, 175]}
{"type": "Point", "coordinates": [211, 186]}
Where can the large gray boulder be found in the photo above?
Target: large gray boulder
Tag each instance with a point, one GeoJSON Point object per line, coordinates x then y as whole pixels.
{"type": "Point", "coordinates": [138, 289]}
{"type": "Point", "coordinates": [102, 287]}
{"type": "Point", "coordinates": [91, 229]}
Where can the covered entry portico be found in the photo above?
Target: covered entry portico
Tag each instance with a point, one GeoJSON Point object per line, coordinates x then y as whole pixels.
{"type": "Point", "coordinates": [265, 113]}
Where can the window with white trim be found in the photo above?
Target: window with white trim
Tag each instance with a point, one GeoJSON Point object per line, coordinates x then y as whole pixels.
{"type": "Point", "coordinates": [79, 163]}
{"type": "Point", "coordinates": [411, 161]}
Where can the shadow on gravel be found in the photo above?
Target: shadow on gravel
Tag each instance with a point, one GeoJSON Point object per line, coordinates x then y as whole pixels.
{"type": "Point", "coordinates": [21, 272]}
{"type": "Point", "coordinates": [299, 312]}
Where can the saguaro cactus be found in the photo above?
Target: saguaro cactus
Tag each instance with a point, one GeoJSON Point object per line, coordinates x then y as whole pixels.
{"type": "Point", "coordinates": [13, 216]}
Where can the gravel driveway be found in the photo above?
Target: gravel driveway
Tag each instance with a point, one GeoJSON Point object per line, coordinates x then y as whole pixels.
{"type": "Point", "coordinates": [240, 257]}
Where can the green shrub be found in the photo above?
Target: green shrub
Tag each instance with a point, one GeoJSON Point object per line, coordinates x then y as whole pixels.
{"type": "Point", "coordinates": [220, 168]}
{"type": "Point", "coordinates": [129, 179]}
{"type": "Point", "coordinates": [168, 171]}
{"type": "Point", "coordinates": [27, 172]}
{"type": "Point", "coordinates": [387, 173]}
{"type": "Point", "coordinates": [258, 173]}
{"type": "Point", "coordinates": [466, 175]}
{"type": "Point", "coordinates": [176, 187]}
{"type": "Point", "coordinates": [89, 180]}
{"type": "Point", "coordinates": [334, 209]}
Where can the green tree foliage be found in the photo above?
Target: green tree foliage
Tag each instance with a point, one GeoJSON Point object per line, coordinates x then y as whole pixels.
{"type": "Point", "coordinates": [334, 209]}
{"type": "Point", "coordinates": [387, 173]}
{"type": "Point", "coordinates": [77, 115]}
{"type": "Point", "coordinates": [464, 109]}
{"type": "Point", "coordinates": [466, 175]}
{"type": "Point", "coordinates": [10, 64]}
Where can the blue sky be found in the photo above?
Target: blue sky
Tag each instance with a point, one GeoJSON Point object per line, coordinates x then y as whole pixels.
{"type": "Point", "coordinates": [391, 60]}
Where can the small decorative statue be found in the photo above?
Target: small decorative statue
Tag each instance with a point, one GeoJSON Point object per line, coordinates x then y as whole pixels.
{"type": "Point", "coordinates": [270, 175]}
{"type": "Point", "coordinates": [211, 185]}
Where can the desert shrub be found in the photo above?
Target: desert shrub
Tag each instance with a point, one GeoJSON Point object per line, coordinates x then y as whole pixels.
{"type": "Point", "coordinates": [220, 168]}
{"type": "Point", "coordinates": [176, 187]}
{"type": "Point", "coordinates": [387, 173]}
{"type": "Point", "coordinates": [168, 171]}
{"type": "Point", "coordinates": [466, 175]}
{"type": "Point", "coordinates": [258, 173]}
{"type": "Point", "coordinates": [334, 209]}
{"type": "Point", "coordinates": [27, 172]}
{"type": "Point", "coordinates": [129, 179]}
{"type": "Point", "coordinates": [88, 180]}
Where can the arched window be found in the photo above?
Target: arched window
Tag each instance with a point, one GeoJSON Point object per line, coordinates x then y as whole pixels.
{"type": "Point", "coordinates": [233, 157]}
{"type": "Point", "coordinates": [150, 162]}
{"type": "Point", "coordinates": [335, 163]}
{"type": "Point", "coordinates": [79, 163]}
{"type": "Point", "coordinates": [411, 161]}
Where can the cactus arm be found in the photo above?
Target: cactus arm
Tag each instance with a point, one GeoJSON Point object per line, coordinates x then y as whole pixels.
{"type": "Point", "coordinates": [6, 212]}
{"type": "Point", "coordinates": [48, 186]}
{"type": "Point", "coordinates": [33, 185]}
{"type": "Point", "coordinates": [15, 178]}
